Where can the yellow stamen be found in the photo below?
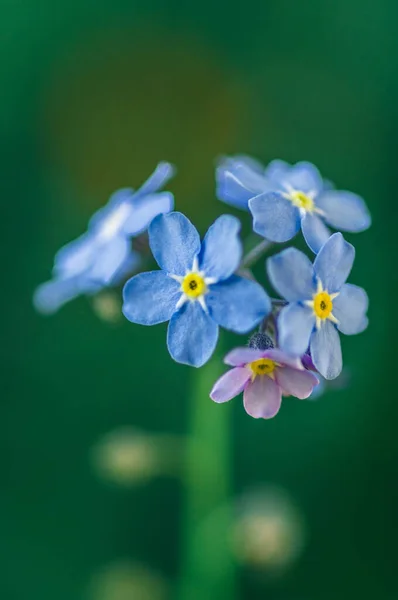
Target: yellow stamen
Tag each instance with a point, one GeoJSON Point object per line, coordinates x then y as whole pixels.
{"type": "Point", "coordinates": [262, 366]}
{"type": "Point", "coordinates": [301, 200]}
{"type": "Point", "coordinates": [323, 305]}
{"type": "Point", "coordinates": [193, 285]}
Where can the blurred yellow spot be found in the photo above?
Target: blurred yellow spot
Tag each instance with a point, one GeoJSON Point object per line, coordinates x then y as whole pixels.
{"type": "Point", "coordinates": [128, 457]}
{"type": "Point", "coordinates": [107, 306]}
{"type": "Point", "coordinates": [269, 531]}
{"type": "Point", "coordinates": [127, 580]}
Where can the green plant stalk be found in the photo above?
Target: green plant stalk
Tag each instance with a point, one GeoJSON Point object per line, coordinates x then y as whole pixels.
{"type": "Point", "coordinates": [207, 570]}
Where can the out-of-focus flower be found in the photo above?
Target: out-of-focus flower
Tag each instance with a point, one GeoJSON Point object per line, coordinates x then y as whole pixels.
{"type": "Point", "coordinates": [107, 306]}
{"type": "Point", "coordinates": [196, 289]}
{"type": "Point", "coordinates": [127, 580]}
{"type": "Point", "coordinates": [128, 457]}
{"type": "Point", "coordinates": [320, 302]}
{"type": "Point", "coordinates": [282, 198]}
{"type": "Point", "coordinates": [103, 256]}
{"type": "Point", "coordinates": [263, 376]}
{"type": "Point", "coordinates": [269, 532]}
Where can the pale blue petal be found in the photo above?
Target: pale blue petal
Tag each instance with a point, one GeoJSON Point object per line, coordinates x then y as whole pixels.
{"type": "Point", "coordinates": [50, 296]}
{"type": "Point", "coordinates": [314, 231]}
{"type": "Point", "coordinates": [192, 335]}
{"type": "Point", "coordinates": [274, 217]}
{"type": "Point", "coordinates": [124, 196]}
{"type": "Point", "coordinates": [350, 308]}
{"type": "Point", "coordinates": [238, 179]}
{"type": "Point", "coordinates": [334, 262]}
{"type": "Point", "coordinates": [76, 257]}
{"type": "Point", "coordinates": [163, 172]}
{"type": "Point", "coordinates": [292, 275]}
{"type": "Point", "coordinates": [174, 242]}
{"type": "Point", "coordinates": [344, 210]}
{"type": "Point", "coordinates": [108, 260]}
{"type": "Point", "coordinates": [305, 177]}
{"type": "Point", "coordinates": [150, 298]}
{"type": "Point", "coordinates": [275, 173]}
{"type": "Point", "coordinates": [221, 249]}
{"type": "Point", "coordinates": [238, 304]}
{"type": "Point", "coordinates": [326, 350]}
{"type": "Point", "coordinates": [295, 325]}
{"type": "Point", "coordinates": [146, 208]}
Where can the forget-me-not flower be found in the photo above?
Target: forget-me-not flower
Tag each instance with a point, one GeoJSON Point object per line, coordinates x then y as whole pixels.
{"type": "Point", "coordinates": [263, 376]}
{"type": "Point", "coordinates": [103, 256]}
{"type": "Point", "coordinates": [282, 198]}
{"type": "Point", "coordinates": [320, 302]}
{"type": "Point", "coordinates": [196, 289]}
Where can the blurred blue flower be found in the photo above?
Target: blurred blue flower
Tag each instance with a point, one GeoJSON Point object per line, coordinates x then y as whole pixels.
{"type": "Point", "coordinates": [196, 289]}
{"type": "Point", "coordinates": [282, 198]}
{"type": "Point", "coordinates": [103, 256]}
{"type": "Point", "coordinates": [320, 302]}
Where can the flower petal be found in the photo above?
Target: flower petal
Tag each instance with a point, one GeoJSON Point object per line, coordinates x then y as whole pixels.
{"type": "Point", "coordinates": [305, 177]}
{"type": "Point", "coordinates": [344, 210]}
{"type": "Point", "coordinates": [238, 179]}
{"type": "Point", "coordinates": [230, 384]}
{"type": "Point", "coordinates": [334, 262]}
{"type": "Point", "coordinates": [283, 358]}
{"type": "Point", "coordinates": [238, 304]}
{"type": "Point", "coordinates": [221, 248]}
{"type": "Point", "coordinates": [326, 350]}
{"type": "Point", "coordinates": [314, 231]}
{"type": "Point", "coordinates": [163, 172]}
{"type": "Point", "coordinates": [274, 217]}
{"type": "Point", "coordinates": [262, 398]}
{"type": "Point", "coordinates": [350, 308]}
{"type": "Point", "coordinates": [150, 298]}
{"type": "Point", "coordinates": [50, 296]}
{"type": "Point", "coordinates": [296, 383]}
{"type": "Point", "coordinates": [145, 209]}
{"type": "Point", "coordinates": [109, 259]}
{"type": "Point", "coordinates": [174, 242]}
{"type": "Point", "coordinates": [75, 257]}
{"type": "Point", "coordinates": [295, 325]}
{"type": "Point", "coordinates": [192, 335]}
{"type": "Point", "coordinates": [292, 275]}
{"type": "Point", "coordinates": [242, 356]}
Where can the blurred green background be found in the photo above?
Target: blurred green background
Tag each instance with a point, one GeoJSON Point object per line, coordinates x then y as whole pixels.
{"type": "Point", "coordinates": [93, 95]}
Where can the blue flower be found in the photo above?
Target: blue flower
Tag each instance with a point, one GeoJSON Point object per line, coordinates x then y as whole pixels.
{"type": "Point", "coordinates": [282, 198]}
{"type": "Point", "coordinates": [320, 302]}
{"type": "Point", "coordinates": [103, 256]}
{"type": "Point", "coordinates": [196, 289]}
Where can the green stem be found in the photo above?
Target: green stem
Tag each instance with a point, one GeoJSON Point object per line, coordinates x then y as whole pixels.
{"type": "Point", "coordinates": [255, 254]}
{"type": "Point", "coordinates": [207, 564]}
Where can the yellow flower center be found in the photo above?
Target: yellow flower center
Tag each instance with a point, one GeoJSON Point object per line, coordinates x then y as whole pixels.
{"type": "Point", "coordinates": [301, 200]}
{"type": "Point", "coordinates": [263, 366]}
{"type": "Point", "coordinates": [323, 305]}
{"type": "Point", "coordinates": [193, 285]}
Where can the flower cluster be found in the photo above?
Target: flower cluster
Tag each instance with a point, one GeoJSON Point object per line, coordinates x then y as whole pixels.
{"type": "Point", "coordinates": [203, 285]}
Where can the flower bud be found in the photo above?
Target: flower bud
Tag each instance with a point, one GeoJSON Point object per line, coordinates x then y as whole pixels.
{"type": "Point", "coordinates": [260, 341]}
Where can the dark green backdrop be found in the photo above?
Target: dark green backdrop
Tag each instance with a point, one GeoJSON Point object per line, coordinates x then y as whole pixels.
{"type": "Point", "coordinates": [93, 94]}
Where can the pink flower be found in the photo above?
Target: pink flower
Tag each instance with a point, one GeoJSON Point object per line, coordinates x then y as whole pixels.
{"type": "Point", "coordinates": [263, 376]}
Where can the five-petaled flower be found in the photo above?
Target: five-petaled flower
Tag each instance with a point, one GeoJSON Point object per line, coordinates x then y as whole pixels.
{"type": "Point", "coordinates": [263, 376]}
{"type": "Point", "coordinates": [103, 256]}
{"type": "Point", "coordinates": [282, 198]}
{"type": "Point", "coordinates": [320, 302]}
{"type": "Point", "coordinates": [197, 289]}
